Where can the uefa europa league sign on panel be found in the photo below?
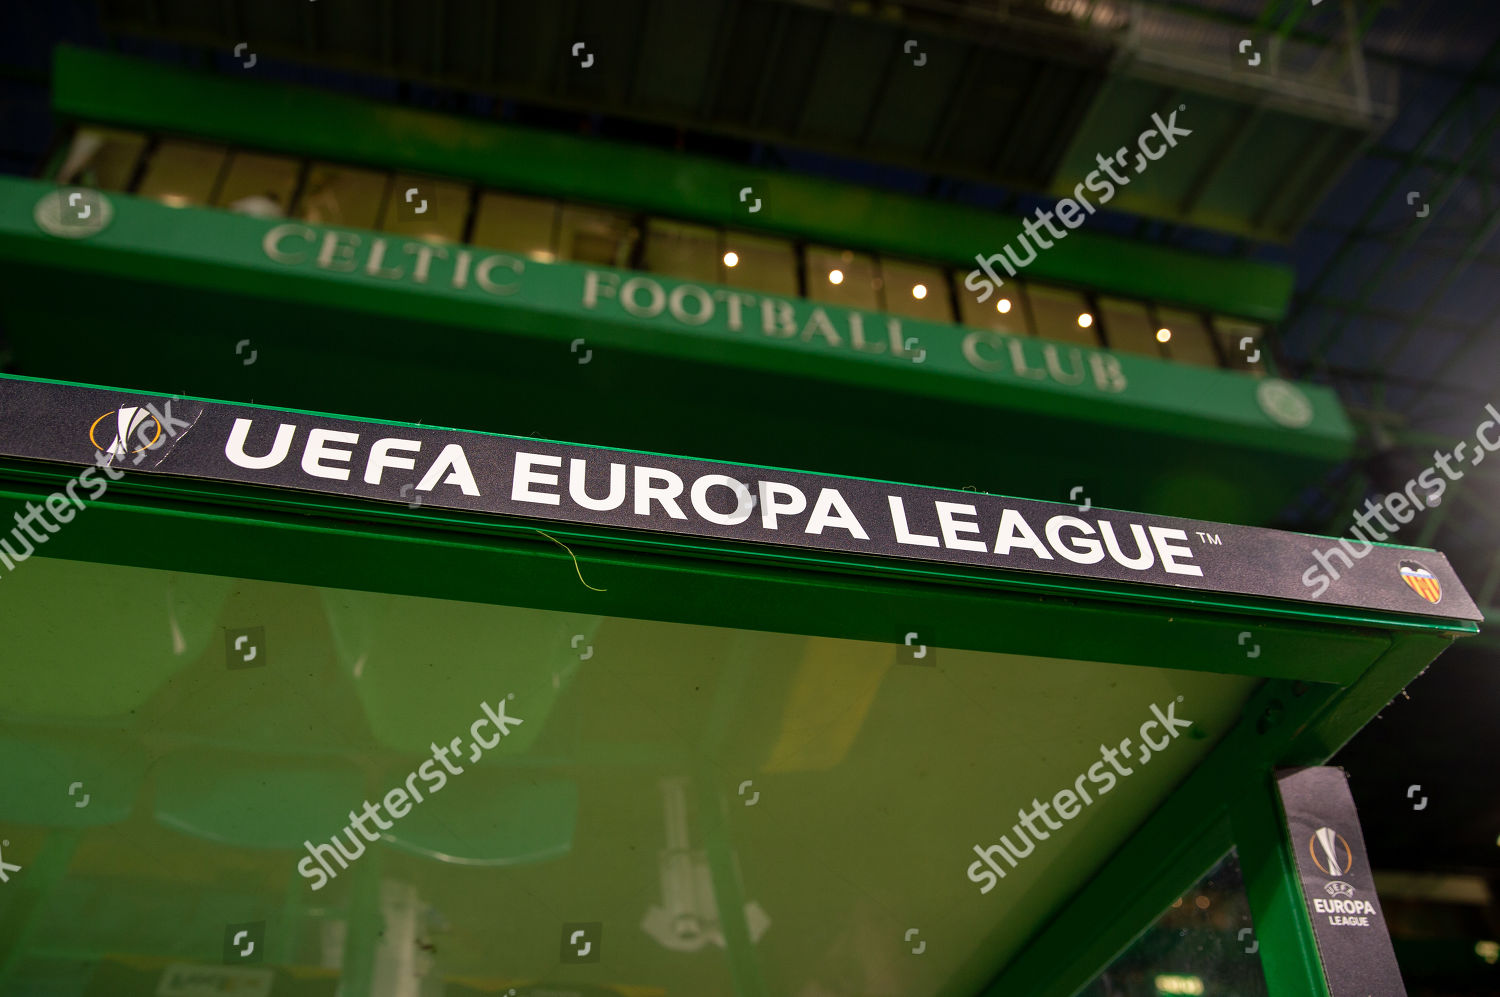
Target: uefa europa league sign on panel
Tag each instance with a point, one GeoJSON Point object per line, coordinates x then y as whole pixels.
{"type": "Point", "coordinates": [1337, 883]}
{"type": "Point", "coordinates": [561, 482]}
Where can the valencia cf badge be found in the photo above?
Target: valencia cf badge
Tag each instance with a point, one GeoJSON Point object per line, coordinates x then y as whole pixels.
{"type": "Point", "coordinates": [1422, 581]}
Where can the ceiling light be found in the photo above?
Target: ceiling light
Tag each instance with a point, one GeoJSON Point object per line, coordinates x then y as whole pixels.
{"type": "Point", "coordinates": [919, 291]}
{"type": "Point", "coordinates": [1002, 306]}
{"type": "Point", "coordinates": [731, 258]}
{"type": "Point", "coordinates": [1085, 320]}
{"type": "Point", "coordinates": [1163, 334]}
{"type": "Point", "coordinates": [835, 276]}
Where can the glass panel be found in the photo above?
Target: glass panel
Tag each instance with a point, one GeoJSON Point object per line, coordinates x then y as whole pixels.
{"type": "Point", "coordinates": [1062, 315]}
{"type": "Point", "coordinates": [690, 252]}
{"type": "Point", "coordinates": [1190, 342]}
{"type": "Point", "coordinates": [258, 185]}
{"type": "Point", "coordinates": [424, 208]}
{"type": "Point", "coordinates": [593, 235]}
{"type": "Point", "coordinates": [1004, 311]}
{"type": "Point", "coordinates": [760, 263]}
{"type": "Point", "coordinates": [1202, 944]}
{"type": "Point", "coordinates": [342, 196]}
{"type": "Point", "coordinates": [915, 290]}
{"type": "Point", "coordinates": [523, 225]}
{"type": "Point", "coordinates": [841, 277]}
{"type": "Point", "coordinates": [228, 731]}
{"type": "Point", "coordinates": [1128, 327]}
{"type": "Point", "coordinates": [183, 173]}
{"type": "Point", "coordinates": [1232, 335]}
{"type": "Point", "coordinates": [102, 158]}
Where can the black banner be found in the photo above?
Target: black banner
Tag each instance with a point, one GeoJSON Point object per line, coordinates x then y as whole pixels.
{"type": "Point", "coordinates": [123, 431]}
{"type": "Point", "coordinates": [1353, 943]}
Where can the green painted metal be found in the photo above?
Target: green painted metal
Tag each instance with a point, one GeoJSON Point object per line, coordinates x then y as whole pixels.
{"type": "Point", "coordinates": [1286, 724]}
{"type": "Point", "coordinates": [1185, 836]}
{"type": "Point", "coordinates": [504, 363]}
{"type": "Point", "coordinates": [1288, 950]}
{"type": "Point", "coordinates": [96, 86]}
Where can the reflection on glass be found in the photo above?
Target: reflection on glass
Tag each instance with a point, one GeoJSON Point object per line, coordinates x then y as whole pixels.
{"type": "Point", "coordinates": [841, 277]}
{"type": "Point", "coordinates": [689, 252]}
{"type": "Point", "coordinates": [425, 208]}
{"type": "Point", "coordinates": [526, 226]}
{"type": "Point", "coordinates": [103, 158]}
{"type": "Point", "coordinates": [258, 185]}
{"type": "Point", "coordinates": [182, 173]}
{"type": "Point", "coordinates": [1062, 315]}
{"type": "Point", "coordinates": [342, 195]}
{"type": "Point", "coordinates": [229, 730]}
{"type": "Point", "coordinates": [915, 290]}
{"type": "Point", "coordinates": [1190, 341]}
{"type": "Point", "coordinates": [1129, 328]}
{"type": "Point", "coordinates": [1197, 946]}
{"type": "Point", "coordinates": [593, 235]}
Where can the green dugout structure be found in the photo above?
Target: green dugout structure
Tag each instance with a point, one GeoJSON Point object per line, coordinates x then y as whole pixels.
{"type": "Point", "coordinates": [759, 747]}
{"type": "Point", "coordinates": [708, 652]}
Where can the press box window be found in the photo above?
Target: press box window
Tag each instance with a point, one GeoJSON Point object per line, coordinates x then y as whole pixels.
{"type": "Point", "coordinates": [183, 173]}
{"type": "Point", "coordinates": [1128, 328]}
{"type": "Point", "coordinates": [1062, 315]}
{"type": "Point", "coordinates": [342, 196]}
{"type": "Point", "coordinates": [915, 291]}
{"type": "Point", "coordinates": [526, 226]}
{"type": "Point", "coordinates": [690, 252]}
{"type": "Point", "coordinates": [424, 208]}
{"type": "Point", "coordinates": [1003, 311]}
{"type": "Point", "coordinates": [1190, 341]}
{"type": "Point", "coordinates": [258, 185]}
{"type": "Point", "coordinates": [102, 158]}
{"type": "Point", "coordinates": [759, 263]}
{"type": "Point", "coordinates": [592, 235]}
{"type": "Point", "coordinates": [841, 277]}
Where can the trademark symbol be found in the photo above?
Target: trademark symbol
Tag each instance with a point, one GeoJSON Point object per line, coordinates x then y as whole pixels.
{"type": "Point", "coordinates": [1209, 538]}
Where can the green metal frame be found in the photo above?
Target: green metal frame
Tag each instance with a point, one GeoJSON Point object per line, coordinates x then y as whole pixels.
{"type": "Point", "coordinates": [1326, 673]}
{"type": "Point", "coordinates": [113, 89]}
